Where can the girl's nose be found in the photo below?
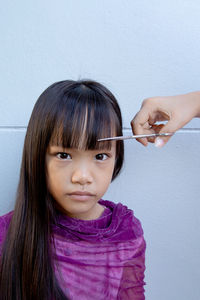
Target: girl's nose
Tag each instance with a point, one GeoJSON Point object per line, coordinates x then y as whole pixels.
{"type": "Point", "coordinates": [81, 176]}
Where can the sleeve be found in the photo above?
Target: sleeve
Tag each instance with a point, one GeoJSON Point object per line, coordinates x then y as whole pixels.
{"type": "Point", "coordinates": [132, 280]}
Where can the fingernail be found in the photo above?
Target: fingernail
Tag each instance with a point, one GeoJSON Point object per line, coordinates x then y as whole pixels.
{"type": "Point", "coordinates": [159, 143]}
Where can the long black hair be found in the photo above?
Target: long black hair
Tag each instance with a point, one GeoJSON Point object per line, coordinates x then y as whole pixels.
{"type": "Point", "coordinates": [75, 114]}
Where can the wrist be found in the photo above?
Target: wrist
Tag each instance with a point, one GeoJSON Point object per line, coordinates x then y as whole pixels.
{"type": "Point", "coordinates": [196, 101]}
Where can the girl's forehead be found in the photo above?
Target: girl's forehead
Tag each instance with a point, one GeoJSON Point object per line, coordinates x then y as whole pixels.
{"type": "Point", "coordinates": [80, 123]}
{"type": "Point", "coordinates": [60, 147]}
{"type": "Point", "coordinates": [85, 139]}
{"type": "Point", "coordinates": [104, 145]}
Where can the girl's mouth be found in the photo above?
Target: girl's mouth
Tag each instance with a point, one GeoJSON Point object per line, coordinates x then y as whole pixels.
{"type": "Point", "coordinates": [81, 196]}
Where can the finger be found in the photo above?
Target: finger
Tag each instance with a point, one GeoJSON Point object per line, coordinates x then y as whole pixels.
{"type": "Point", "coordinates": [140, 122]}
{"type": "Point", "coordinates": [155, 129]}
{"type": "Point", "coordinates": [171, 127]}
{"type": "Point", "coordinates": [143, 141]}
{"type": "Point", "coordinates": [140, 125]}
{"type": "Point", "coordinates": [145, 131]}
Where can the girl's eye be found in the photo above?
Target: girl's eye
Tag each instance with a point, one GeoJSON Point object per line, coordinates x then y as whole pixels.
{"type": "Point", "coordinates": [63, 155]}
{"type": "Point", "coordinates": [101, 156]}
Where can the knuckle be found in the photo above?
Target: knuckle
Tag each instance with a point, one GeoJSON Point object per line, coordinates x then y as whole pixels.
{"type": "Point", "coordinates": [148, 101]}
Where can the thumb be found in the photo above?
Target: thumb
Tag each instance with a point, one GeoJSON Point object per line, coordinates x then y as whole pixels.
{"type": "Point", "coordinates": [170, 127]}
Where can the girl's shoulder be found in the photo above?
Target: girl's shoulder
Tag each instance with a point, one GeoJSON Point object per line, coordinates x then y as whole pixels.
{"type": "Point", "coordinates": [5, 219]}
{"type": "Point", "coordinates": [4, 224]}
{"type": "Point", "coordinates": [123, 220]}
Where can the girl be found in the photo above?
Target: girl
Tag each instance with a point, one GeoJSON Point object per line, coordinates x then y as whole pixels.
{"type": "Point", "coordinates": [62, 241]}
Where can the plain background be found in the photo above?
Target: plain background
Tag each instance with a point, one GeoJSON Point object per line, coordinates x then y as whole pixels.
{"type": "Point", "coordinates": [137, 49]}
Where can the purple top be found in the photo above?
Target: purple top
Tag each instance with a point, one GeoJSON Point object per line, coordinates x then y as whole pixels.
{"type": "Point", "coordinates": [98, 259]}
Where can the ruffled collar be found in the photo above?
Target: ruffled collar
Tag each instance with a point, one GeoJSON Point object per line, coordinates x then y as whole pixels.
{"type": "Point", "coordinates": [117, 224]}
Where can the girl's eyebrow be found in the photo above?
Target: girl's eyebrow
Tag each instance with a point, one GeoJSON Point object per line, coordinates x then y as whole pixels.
{"type": "Point", "coordinates": [55, 148]}
{"type": "Point", "coordinates": [60, 148]}
{"type": "Point", "coordinates": [56, 145]}
{"type": "Point", "coordinates": [106, 149]}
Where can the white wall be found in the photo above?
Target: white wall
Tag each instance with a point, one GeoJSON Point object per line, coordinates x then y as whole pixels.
{"type": "Point", "coordinates": [137, 49]}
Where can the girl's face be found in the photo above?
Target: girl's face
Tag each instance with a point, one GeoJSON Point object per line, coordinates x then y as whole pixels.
{"type": "Point", "coordinates": [77, 179]}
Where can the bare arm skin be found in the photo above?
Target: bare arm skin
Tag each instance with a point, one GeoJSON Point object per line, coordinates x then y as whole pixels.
{"type": "Point", "coordinates": [176, 110]}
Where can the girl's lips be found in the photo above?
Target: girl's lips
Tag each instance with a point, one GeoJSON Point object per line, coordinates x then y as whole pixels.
{"type": "Point", "coordinates": [81, 193]}
{"type": "Point", "coordinates": [81, 196]}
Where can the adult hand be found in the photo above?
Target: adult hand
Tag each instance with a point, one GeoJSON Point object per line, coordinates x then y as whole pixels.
{"type": "Point", "coordinates": [176, 110]}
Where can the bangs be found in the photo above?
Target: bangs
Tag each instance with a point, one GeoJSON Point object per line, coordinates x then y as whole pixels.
{"type": "Point", "coordinates": [82, 122]}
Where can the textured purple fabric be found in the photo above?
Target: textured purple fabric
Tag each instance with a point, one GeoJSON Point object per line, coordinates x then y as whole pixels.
{"type": "Point", "coordinates": [4, 224]}
{"type": "Point", "coordinates": [98, 259]}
